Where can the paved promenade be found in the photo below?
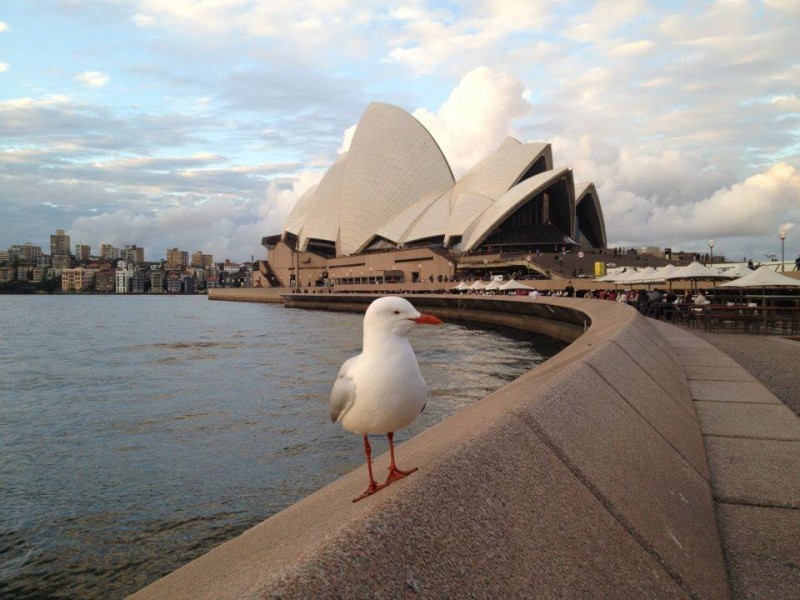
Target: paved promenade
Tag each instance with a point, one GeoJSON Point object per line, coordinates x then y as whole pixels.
{"type": "Point", "coordinates": [752, 443]}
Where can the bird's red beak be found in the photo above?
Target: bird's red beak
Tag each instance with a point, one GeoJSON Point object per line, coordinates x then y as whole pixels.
{"type": "Point", "coordinates": [424, 319]}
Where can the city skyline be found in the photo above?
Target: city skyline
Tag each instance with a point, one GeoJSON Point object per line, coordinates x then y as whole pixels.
{"type": "Point", "coordinates": [145, 121]}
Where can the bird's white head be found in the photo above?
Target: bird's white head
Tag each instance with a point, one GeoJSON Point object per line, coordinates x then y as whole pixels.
{"type": "Point", "coordinates": [395, 315]}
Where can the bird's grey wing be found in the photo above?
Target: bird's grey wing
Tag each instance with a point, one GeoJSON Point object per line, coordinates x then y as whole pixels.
{"type": "Point", "coordinates": [343, 393]}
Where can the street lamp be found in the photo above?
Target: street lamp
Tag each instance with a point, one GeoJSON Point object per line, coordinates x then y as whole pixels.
{"type": "Point", "coordinates": [419, 272]}
{"type": "Point", "coordinates": [711, 247]}
{"type": "Point", "coordinates": [783, 240]}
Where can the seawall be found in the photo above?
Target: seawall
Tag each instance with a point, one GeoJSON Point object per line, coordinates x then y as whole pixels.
{"type": "Point", "coordinates": [585, 477]}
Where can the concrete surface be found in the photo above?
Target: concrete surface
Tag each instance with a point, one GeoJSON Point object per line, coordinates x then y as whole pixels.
{"type": "Point", "coordinates": [583, 478]}
{"type": "Point", "coordinates": [753, 451]}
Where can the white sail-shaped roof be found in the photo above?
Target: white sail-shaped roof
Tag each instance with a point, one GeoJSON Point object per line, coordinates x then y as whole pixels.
{"type": "Point", "coordinates": [296, 218]}
{"type": "Point", "coordinates": [396, 229]}
{"type": "Point", "coordinates": [322, 219]}
{"type": "Point", "coordinates": [432, 222]}
{"type": "Point", "coordinates": [394, 186]}
{"type": "Point", "coordinates": [509, 202]}
{"type": "Point", "coordinates": [502, 170]}
{"type": "Point", "coordinates": [393, 161]}
{"type": "Point", "coordinates": [465, 212]}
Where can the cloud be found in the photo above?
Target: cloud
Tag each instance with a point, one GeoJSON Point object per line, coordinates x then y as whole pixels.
{"type": "Point", "coordinates": [754, 209]}
{"type": "Point", "coordinates": [93, 78]}
{"type": "Point", "coordinates": [476, 116]}
{"type": "Point", "coordinates": [224, 227]}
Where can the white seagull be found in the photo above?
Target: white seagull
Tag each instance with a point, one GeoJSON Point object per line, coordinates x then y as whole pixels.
{"type": "Point", "coordinates": [382, 390]}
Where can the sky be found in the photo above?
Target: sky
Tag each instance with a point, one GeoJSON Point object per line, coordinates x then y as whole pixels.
{"type": "Point", "coordinates": [198, 123]}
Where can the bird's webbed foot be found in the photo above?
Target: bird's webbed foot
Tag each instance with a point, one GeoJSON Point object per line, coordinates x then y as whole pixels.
{"type": "Point", "coordinates": [395, 474]}
{"type": "Point", "coordinates": [373, 487]}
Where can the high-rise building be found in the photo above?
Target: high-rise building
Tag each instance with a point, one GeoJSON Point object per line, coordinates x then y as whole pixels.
{"type": "Point", "coordinates": [132, 253]}
{"type": "Point", "coordinates": [27, 253]}
{"type": "Point", "coordinates": [109, 252]}
{"type": "Point", "coordinates": [82, 252]}
{"type": "Point", "coordinates": [202, 260]}
{"type": "Point", "coordinates": [177, 259]}
{"type": "Point", "coordinates": [59, 244]}
{"type": "Point", "coordinates": [124, 278]}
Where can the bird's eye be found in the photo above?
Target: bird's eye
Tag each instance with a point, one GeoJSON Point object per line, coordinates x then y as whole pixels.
{"type": "Point", "coordinates": [397, 312]}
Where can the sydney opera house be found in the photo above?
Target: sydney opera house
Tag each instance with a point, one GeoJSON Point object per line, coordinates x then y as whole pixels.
{"type": "Point", "coordinates": [390, 209]}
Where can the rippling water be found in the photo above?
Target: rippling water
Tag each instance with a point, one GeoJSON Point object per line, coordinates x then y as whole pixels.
{"type": "Point", "coordinates": [136, 433]}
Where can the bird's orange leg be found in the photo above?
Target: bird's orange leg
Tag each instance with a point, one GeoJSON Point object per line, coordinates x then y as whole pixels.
{"type": "Point", "coordinates": [394, 472]}
{"type": "Point", "coordinates": [373, 485]}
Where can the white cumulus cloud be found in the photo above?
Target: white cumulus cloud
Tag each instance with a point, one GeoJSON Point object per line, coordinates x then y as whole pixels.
{"type": "Point", "coordinates": [93, 78]}
{"type": "Point", "coordinates": [475, 118]}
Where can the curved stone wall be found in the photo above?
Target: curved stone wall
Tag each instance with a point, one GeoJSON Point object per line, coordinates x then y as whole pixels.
{"type": "Point", "coordinates": [586, 477]}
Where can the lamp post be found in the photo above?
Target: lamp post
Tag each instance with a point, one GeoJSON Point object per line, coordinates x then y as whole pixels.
{"type": "Point", "coordinates": [419, 272]}
{"type": "Point", "coordinates": [783, 240]}
{"type": "Point", "coordinates": [711, 247]}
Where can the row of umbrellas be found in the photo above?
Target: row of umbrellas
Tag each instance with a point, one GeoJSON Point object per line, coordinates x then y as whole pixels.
{"type": "Point", "coordinates": [741, 277]}
{"type": "Point", "coordinates": [512, 284]}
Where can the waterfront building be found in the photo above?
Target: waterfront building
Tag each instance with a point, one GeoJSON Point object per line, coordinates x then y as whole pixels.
{"type": "Point", "coordinates": [105, 281]}
{"type": "Point", "coordinates": [44, 261]}
{"type": "Point", "coordinates": [7, 273]}
{"type": "Point", "coordinates": [24, 272]}
{"type": "Point", "coordinates": [393, 193]}
{"type": "Point", "coordinates": [173, 282]}
{"type": "Point", "coordinates": [79, 279]}
{"type": "Point", "coordinates": [59, 243]}
{"type": "Point", "coordinates": [83, 253]}
{"type": "Point", "coordinates": [188, 283]}
{"type": "Point", "coordinates": [38, 274]}
{"type": "Point", "coordinates": [3, 256]}
{"type": "Point", "coordinates": [140, 280]}
{"type": "Point", "coordinates": [156, 281]}
{"type": "Point", "coordinates": [177, 259]}
{"type": "Point", "coordinates": [124, 277]}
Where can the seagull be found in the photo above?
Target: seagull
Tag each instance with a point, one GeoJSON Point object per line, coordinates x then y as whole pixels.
{"type": "Point", "coordinates": [382, 390]}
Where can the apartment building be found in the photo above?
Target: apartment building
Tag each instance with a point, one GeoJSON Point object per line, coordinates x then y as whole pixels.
{"type": "Point", "coordinates": [59, 243]}
{"type": "Point", "coordinates": [133, 254]}
{"type": "Point", "coordinates": [78, 279]}
{"type": "Point", "coordinates": [124, 278]}
{"type": "Point", "coordinates": [177, 259]}
{"type": "Point", "coordinates": [156, 281]}
{"type": "Point", "coordinates": [83, 252]}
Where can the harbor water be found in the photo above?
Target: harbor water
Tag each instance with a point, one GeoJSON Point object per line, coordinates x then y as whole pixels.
{"type": "Point", "coordinates": [137, 433]}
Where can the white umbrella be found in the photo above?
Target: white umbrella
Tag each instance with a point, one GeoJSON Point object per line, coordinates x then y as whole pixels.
{"type": "Point", "coordinates": [696, 271]}
{"type": "Point", "coordinates": [648, 275]}
{"type": "Point", "coordinates": [461, 287]}
{"type": "Point", "coordinates": [477, 285]}
{"type": "Point", "coordinates": [627, 276]}
{"type": "Point", "coordinates": [667, 270]}
{"type": "Point", "coordinates": [763, 278]}
{"type": "Point", "coordinates": [737, 271]}
{"type": "Point", "coordinates": [514, 285]}
{"type": "Point", "coordinates": [493, 285]}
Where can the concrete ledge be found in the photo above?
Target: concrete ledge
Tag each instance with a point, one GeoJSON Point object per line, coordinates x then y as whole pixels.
{"type": "Point", "coordinates": [583, 478]}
